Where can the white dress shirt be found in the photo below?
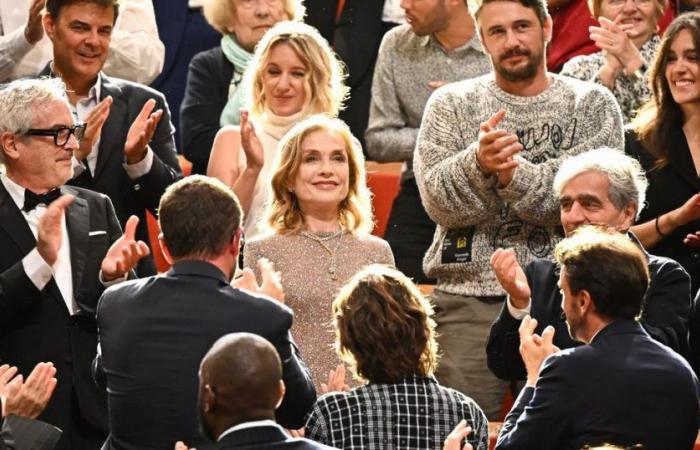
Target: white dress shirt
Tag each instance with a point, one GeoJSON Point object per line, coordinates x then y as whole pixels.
{"type": "Point", "coordinates": [38, 270]}
{"type": "Point", "coordinates": [135, 52]}
{"type": "Point", "coordinates": [80, 112]}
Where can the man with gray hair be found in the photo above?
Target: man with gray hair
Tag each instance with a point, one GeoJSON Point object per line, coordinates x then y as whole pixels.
{"type": "Point", "coordinates": [601, 187]}
{"type": "Point", "coordinates": [61, 246]}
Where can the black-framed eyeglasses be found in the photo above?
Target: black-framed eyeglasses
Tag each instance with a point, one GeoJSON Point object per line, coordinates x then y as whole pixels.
{"type": "Point", "coordinates": [61, 135]}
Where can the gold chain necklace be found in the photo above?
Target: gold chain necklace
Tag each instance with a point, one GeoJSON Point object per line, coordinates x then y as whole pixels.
{"type": "Point", "coordinates": [322, 241]}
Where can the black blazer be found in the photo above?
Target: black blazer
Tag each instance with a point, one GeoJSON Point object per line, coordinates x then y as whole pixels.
{"type": "Point", "coordinates": [665, 317]}
{"type": "Point", "coordinates": [20, 433]}
{"type": "Point", "coordinates": [206, 95]}
{"type": "Point", "coordinates": [669, 188]}
{"type": "Point", "coordinates": [131, 197]}
{"type": "Point", "coordinates": [153, 334]}
{"type": "Point", "coordinates": [184, 32]}
{"type": "Point", "coordinates": [625, 388]}
{"type": "Point", "coordinates": [266, 438]}
{"type": "Point", "coordinates": [35, 325]}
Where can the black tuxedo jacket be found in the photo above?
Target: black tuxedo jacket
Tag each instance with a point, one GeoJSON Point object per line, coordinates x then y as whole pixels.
{"type": "Point", "coordinates": [666, 314]}
{"type": "Point", "coordinates": [153, 335]}
{"type": "Point", "coordinates": [20, 433]}
{"type": "Point", "coordinates": [266, 438]}
{"type": "Point", "coordinates": [131, 197]}
{"type": "Point", "coordinates": [36, 326]}
{"type": "Point", "coordinates": [625, 388]}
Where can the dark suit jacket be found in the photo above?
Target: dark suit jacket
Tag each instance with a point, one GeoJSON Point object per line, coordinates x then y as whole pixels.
{"type": "Point", "coordinates": [35, 325]}
{"type": "Point", "coordinates": [266, 438]}
{"type": "Point", "coordinates": [665, 317]}
{"type": "Point", "coordinates": [670, 187]}
{"type": "Point", "coordinates": [206, 95]}
{"type": "Point", "coordinates": [625, 388]}
{"type": "Point", "coordinates": [131, 197]}
{"type": "Point", "coordinates": [184, 32]}
{"type": "Point", "coordinates": [21, 433]}
{"type": "Point", "coordinates": [153, 334]}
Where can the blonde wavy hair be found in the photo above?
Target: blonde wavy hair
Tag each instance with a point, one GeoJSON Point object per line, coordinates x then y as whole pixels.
{"type": "Point", "coordinates": [324, 83]}
{"type": "Point", "coordinates": [283, 212]}
{"type": "Point", "coordinates": [220, 13]}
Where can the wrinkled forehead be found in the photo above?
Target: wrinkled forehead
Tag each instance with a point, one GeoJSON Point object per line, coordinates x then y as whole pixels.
{"type": "Point", "coordinates": [52, 113]}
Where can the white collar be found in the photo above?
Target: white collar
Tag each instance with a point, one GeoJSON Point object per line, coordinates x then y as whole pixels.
{"type": "Point", "coordinates": [15, 190]}
{"type": "Point", "coordinates": [244, 425]}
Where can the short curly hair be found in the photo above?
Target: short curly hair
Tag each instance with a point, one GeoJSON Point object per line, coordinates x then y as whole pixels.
{"type": "Point", "coordinates": [384, 326]}
{"type": "Point", "coordinates": [325, 81]}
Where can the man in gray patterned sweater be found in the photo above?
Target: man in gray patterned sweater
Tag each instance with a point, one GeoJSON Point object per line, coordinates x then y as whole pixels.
{"type": "Point", "coordinates": [487, 152]}
{"type": "Point", "coordinates": [436, 47]}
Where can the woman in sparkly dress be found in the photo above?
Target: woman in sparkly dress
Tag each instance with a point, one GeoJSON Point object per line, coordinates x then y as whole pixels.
{"type": "Point", "coordinates": [320, 219]}
{"type": "Point", "coordinates": [293, 75]}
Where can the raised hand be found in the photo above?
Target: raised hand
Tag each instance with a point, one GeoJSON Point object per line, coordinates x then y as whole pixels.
{"type": "Point", "coordinates": [612, 37]}
{"type": "Point", "coordinates": [511, 277]}
{"type": "Point", "coordinates": [533, 348]}
{"type": "Point", "coordinates": [124, 253]}
{"type": "Point", "coordinates": [34, 30]}
{"type": "Point", "coordinates": [49, 234]}
{"type": "Point", "coordinates": [94, 122]}
{"type": "Point", "coordinates": [27, 398]}
{"type": "Point", "coordinates": [254, 154]}
{"type": "Point", "coordinates": [497, 149]}
{"type": "Point", "coordinates": [271, 285]}
{"type": "Point", "coordinates": [336, 381]}
{"type": "Point", "coordinates": [457, 435]}
{"type": "Point", "coordinates": [179, 445]}
{"type": "Point", "coordinates": [141, 132]}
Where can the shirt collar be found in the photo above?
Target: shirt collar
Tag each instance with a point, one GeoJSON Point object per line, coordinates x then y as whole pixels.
{"type": "Point", "coordinates": [95, 90]}
{"type": "Point", "coordinates": [15, 190]}
{"type": "Point", "coordinates": [244, 425]}
{"type": "Point", "coordinates": [472, 43]}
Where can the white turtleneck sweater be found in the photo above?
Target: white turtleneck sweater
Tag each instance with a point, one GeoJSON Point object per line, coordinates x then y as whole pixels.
{"type": "Point", "coordinates": [270, 128]}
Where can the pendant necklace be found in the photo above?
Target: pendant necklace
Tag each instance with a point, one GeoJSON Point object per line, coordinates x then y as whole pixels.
{"type": "Point", "coordinates": [323, 242]}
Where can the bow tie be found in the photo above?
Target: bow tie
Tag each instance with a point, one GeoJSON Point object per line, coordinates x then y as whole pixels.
{"type": "Point", "coordinates": [31, 200]}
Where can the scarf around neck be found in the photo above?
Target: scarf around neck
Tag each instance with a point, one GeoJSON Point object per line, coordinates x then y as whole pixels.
{"type": "Point", "coordinates": [240, 58]}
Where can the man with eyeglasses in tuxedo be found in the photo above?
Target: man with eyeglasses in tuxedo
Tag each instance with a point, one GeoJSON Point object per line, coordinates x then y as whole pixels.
{"type": "Point", "coordinates": [61, 247]}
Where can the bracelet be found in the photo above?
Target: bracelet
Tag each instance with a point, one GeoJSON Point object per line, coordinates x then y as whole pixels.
{"type": "Point", "coordinates": [658, 229]}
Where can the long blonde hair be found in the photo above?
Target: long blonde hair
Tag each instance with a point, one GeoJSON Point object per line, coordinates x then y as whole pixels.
{"type": "Point", "coordinates": [324, 83]}
{"type": "Point", "coordinates": [284, 214]}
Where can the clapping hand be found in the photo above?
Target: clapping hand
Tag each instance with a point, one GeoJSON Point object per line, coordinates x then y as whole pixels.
{"type": "Point", "coordinates": [179, 445]}
{"type": "Point", "coordinates": [612, 37]}
{"type": "Point", "coordinates": [535, 349]}
{"type": "Point", "coordinates": [497, 149]}
{"type": "Point", "coordinates": [49, 233]}
{"type": "Point", "coordinates": [141, 132]}
{"type": "Point", "coordinates": [254, 154]}
{"type": "Point", "coordinates": [336, 381]}
{"type": "Point", "coordinates": [26, 398]}
{"type": "Point", "coordinates": [457, 435]}
{"type": "Point", "coordinates": [93, 128]}
{"type": "Point", "coordinates": [511, 277]}
{"type": "Point", "coordinates": [124, 253]}
{"type": "Point", "coordinates": [34, 30]}
{"type": "Point", "coordinates": [271, 285]}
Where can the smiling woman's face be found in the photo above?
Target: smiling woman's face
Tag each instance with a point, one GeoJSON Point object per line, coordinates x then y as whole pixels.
{"type": "Point", "coordinates": [323, 178]}
{"type": "Point", "coordinates": [252, 18]}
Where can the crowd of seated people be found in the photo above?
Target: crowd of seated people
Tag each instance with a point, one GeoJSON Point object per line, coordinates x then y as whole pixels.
{"type": "Point", "coordinates": [555, 216]}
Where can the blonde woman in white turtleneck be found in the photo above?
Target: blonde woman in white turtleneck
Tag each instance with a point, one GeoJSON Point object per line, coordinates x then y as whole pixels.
{"type": "Point", "coordinates": [293, 74]}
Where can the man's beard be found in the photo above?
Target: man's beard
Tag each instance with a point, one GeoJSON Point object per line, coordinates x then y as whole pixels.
{"type": "Point", "coordinates": [527, 72]}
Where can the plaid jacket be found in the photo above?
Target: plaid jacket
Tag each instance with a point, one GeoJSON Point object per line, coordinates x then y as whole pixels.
{"type": "Point", "coordinates": [413, 414]}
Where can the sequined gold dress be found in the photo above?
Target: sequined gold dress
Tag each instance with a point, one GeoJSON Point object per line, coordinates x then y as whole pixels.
{"type": "Point", "coordinates": [313, 267]}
